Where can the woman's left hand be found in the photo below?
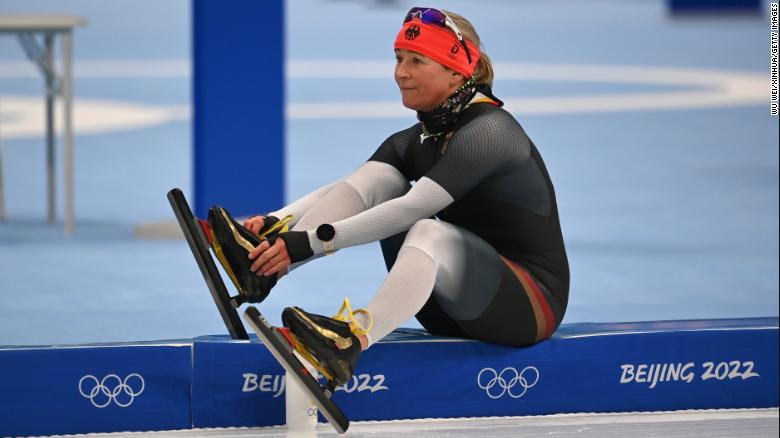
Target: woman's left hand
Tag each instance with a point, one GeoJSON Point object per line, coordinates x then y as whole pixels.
{"type": "Point", "coordinates": [269, 260]}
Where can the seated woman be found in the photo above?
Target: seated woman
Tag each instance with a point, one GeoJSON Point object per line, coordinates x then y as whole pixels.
{"type": "Point", "coordinates": [474, 248]}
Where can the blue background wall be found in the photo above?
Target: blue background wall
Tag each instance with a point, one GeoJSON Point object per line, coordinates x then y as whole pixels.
{"type": "Point", "coordinates": [238, 103]}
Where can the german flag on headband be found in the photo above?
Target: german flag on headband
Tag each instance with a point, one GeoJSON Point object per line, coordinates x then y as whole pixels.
{"type": "Point", "coordinates": [439, 44]}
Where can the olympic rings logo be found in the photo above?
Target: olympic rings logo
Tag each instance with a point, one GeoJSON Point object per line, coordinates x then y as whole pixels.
{"type": "Point", "coordinates": [102, 392]}
{"type": "Point", "coordinates": [497, 384]}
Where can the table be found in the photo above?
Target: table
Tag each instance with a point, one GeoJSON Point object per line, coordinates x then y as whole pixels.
{"type": "Point", "coordinates": [26, 27]}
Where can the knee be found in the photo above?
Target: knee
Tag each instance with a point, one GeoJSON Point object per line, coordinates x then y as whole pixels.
{"type": "Point", "coordinates": [424, 227]}
{"type": "Point", "coordinates": [426, 235]}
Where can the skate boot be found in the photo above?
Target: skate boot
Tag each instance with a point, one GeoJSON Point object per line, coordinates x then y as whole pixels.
{"type": "Point", "coordinates": [232, 243]}
{"type": "Point", "coordinates": [330, 344]}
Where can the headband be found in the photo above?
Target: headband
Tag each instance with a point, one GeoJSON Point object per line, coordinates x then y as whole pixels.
{"type": "Point", "coordinates": [439, 44]}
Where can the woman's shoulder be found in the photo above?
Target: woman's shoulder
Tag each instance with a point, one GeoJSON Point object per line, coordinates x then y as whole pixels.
{"type": "Point", "coordinates": [405, 136]}
{"type": "Point", "coordinates": [408, 132]}
{"type": "Point", "coordinates": [494, 134]}
{"type": "Point", "coordinates": [492, 120]}
{"type": "Point", "coordinates": [393, 149]}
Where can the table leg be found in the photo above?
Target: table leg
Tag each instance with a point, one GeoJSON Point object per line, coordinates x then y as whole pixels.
{"type": "Point", "coordinates": [2, 186]}
{"type": "Point", "coordinates": [67, 96]}
{"type": "Point", "coordinates": [50, 77]}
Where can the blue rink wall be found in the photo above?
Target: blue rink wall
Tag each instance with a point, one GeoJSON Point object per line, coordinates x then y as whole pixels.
{"type": "Point", "coordinates": [238, 105]}
{"type": "Point", "coordinates": [213, 381]}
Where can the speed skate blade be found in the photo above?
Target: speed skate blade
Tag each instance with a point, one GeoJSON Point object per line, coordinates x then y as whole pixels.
{"type": "Point", "coordinates": [283, 352]}
{"type": "Point", "coordinates": [197, 239]}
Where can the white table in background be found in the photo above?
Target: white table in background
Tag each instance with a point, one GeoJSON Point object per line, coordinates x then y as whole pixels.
{"type": "Point", "coordinates": [26, 27]}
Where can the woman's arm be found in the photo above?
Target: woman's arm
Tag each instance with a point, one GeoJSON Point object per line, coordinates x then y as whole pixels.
{"type": "Point", "coordinates": [389, 152]}
{"type": "Point", "coordinates": [485, 147]}
{"type": "Point", "coordinates": [423, 200]}
{"type": "Point", "coordinates": [299, 207]}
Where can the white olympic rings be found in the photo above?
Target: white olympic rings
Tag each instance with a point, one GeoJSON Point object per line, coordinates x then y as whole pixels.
{"type": "Point", "coordinates": [101, 396]}
{"type": "Point", "coordinates": [498, 384]}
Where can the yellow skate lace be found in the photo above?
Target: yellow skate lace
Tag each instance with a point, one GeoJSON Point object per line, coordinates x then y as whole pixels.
{"type": "Point", "coordinates": [346, 314]}
{"type": "Point", "coordinates": [280, 226]}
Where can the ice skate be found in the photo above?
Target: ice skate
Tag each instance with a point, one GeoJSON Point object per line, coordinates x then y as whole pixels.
{"type": "Point", "coordinates": [232, 243]}
{"type": "Point", "coordinates": [330, 344]}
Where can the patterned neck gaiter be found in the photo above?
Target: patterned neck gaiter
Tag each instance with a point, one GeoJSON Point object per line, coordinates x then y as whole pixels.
{"type": "Point", "coordinates": [437, 122]}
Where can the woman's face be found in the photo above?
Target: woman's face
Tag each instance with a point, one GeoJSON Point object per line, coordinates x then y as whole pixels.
{"type": "Point", "coordinates": [424, 83]}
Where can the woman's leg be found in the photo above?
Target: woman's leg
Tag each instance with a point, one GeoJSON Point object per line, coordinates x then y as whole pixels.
{"type": "Point", "coordinates": [434, 319]}
{"type": "Point", "coordinates": [457, 285]}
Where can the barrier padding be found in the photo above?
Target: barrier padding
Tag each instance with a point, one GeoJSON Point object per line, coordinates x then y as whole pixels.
{"type": "Point", "coordinates": [618, 367]}
{"type": "Point", "coordinates": [714, 6]}
{"type": "Point", "coordinates": [95, 388]}
{"type": "Point", "coordinates": [213, 381]}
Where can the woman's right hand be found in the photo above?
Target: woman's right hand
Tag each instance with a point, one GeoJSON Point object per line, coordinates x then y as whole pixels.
{"type": "Point", "coordinates": [255, 223]}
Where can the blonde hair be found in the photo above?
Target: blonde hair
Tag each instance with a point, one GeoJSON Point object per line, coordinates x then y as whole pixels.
{"type": "Point", "coordinates": [483, 74]}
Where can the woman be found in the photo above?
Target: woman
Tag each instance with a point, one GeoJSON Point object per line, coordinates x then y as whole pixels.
{"type": "Point", "coordinates": [474, 248]}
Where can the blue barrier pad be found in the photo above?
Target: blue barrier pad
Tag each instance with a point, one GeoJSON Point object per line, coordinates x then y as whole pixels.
{"type": "Point", "coordinates": [214, 381]}
{"type": "Point", "coordinates": [716, 6]}
{"type": "Point", "coordinates": [609, 367]}
{"type": "Point", "coordinates": [235, 383]}
{"type": "Point", "coordinates": [96, 388]}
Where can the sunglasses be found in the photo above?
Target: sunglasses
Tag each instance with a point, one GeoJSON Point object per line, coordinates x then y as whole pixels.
{"type": "Point", "coordinates": [439, 18]}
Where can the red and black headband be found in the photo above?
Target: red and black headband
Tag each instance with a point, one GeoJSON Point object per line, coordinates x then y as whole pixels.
{"type": "Point", "coordinates": [431, 33]}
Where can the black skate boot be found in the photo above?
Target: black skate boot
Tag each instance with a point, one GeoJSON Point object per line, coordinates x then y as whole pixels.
{"type": "Point", "coordinates": [232, 244]}
{"type": "Point", "coordinates": [330, 344]}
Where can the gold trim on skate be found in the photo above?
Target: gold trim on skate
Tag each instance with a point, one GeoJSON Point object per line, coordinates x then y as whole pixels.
{"type": "Point", "coordinates": [309, 356]}
{"type": "Point", "coordinates": [239, 238]}
{"type": "Point", "coordinates": [282, 224]}
{"type": "Point", "coordinates": [221, 256]}
{"type": "Point", "coordinates": [341, 342]}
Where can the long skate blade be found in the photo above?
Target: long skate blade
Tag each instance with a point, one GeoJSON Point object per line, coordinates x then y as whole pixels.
{"type": "Point", "coordinates": [198, 243]}
{"type": "Point", "coordinates": [282, 351]}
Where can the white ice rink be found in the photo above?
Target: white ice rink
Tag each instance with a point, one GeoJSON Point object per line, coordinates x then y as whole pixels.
{"type": "Point", "coordinates": [679, 424]}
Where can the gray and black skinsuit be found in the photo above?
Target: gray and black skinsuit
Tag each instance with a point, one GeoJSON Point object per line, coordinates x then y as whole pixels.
{"type": "Point", "coordinates": [474, 247]}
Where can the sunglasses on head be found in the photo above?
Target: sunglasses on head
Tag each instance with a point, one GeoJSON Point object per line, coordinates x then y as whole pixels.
{"type": "Point", "coordinates": [439, 18]}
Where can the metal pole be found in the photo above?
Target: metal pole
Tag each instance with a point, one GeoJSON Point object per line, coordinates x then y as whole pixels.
{"type": "Point", "coordinates": [67, 96]}
{"type": "Point", "coordinates": [49, 75]}
{"type": "Point", "coordinates": [2, 186]}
